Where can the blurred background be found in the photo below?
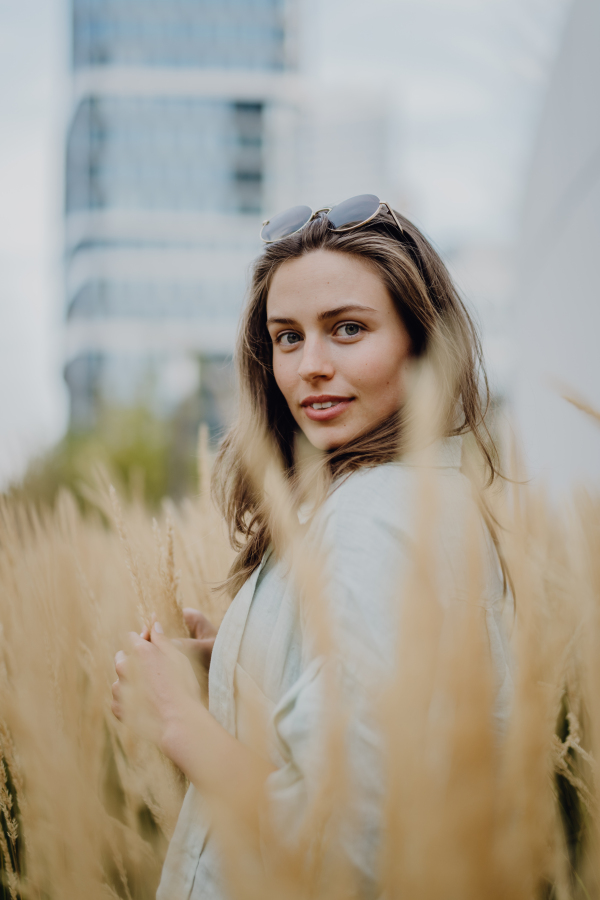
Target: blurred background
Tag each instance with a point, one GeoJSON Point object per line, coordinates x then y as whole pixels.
{"type": "Point", "coordinates": [144, 141]}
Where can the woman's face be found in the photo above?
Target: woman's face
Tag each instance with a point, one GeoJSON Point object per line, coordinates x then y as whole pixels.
{"type": "Point", "coordinates": [340, 348]}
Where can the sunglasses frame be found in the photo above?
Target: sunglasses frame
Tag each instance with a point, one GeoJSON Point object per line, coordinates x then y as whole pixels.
{"type": "Point", "coordinates": [327, 209]}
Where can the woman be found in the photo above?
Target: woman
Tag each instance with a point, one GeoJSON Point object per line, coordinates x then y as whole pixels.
{"type": "Point", "coordinates": [342, 304]}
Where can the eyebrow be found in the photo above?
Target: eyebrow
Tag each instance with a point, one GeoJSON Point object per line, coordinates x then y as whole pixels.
{"type": "Point", "coordinates": [328, 314]}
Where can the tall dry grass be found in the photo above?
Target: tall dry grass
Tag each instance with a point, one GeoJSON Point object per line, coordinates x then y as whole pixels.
{"type": "Point", "coordinates": [87, 809]}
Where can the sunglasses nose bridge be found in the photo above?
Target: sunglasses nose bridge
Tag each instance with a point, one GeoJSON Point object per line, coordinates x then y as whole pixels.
{"type": "Point", "coordinates": [317, 212]}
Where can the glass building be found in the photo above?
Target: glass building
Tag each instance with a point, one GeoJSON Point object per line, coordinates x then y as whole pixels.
{"type": "Point", "coordinates": [180, 136]}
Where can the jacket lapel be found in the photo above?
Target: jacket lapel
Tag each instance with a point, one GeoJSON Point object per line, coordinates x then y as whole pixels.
{"type": "Point", "coordinates": [226, 651]}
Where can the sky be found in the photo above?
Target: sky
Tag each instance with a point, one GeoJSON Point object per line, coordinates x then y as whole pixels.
{"type": "Point", "coordinates": [465, 82]}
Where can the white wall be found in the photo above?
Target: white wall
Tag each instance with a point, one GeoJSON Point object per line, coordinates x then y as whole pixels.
{"type": "Point", "coordinates": [33, 62]}
{"type": "Point", "coordinates": [558, 297]}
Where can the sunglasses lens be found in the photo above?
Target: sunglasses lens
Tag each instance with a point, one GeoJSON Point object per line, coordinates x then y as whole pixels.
{"type": "Point", "coordinates": [286, 223]}
{"type": "Point", "coordinates": [354, 210]}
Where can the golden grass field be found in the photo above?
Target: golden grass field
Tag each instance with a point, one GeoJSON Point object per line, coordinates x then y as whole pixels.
{"type": "Point", "coordinates": [87, 810]}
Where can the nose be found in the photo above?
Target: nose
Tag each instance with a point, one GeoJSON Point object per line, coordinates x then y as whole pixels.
{"type": "Point", "coordinates": [316, 361]}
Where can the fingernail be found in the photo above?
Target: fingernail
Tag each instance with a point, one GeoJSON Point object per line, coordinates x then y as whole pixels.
{"type": "Point", "coordinates": [158, 627]}
{"type": "Point", "coordinates": [120, 656]}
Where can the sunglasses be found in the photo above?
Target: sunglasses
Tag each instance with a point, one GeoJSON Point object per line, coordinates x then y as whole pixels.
{"type": "Point", "coordinates": [352, 213]}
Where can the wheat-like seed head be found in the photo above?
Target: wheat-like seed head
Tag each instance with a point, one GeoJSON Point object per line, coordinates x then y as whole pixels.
{"type": "Point", "coordinates": [90, 809]}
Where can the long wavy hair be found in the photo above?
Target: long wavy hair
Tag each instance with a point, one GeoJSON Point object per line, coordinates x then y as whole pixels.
{"type": "Point", "coordinates": [431, 309]}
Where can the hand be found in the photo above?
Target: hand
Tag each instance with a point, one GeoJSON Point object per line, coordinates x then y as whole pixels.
{"type": "Point", "coordinates": [157, 693]}
{"type": "Point", "coordinates": [199, 646]}
{"type": "Point", "coordinates": [156, 689]}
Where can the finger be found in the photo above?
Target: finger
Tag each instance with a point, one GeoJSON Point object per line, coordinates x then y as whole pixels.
{"type": "Point", "coordinates": [199, 649]}
{"type": "Point", "coordinates": [136, 640]}
{"type": "Point", "coordinates": [191, 614]}
{"type": "Point", "coordinates": [161, 641]}
{"type": "Point", "coordinates": [190, 617]}
{"type": "Point", "coordinates": [120, 662]}
{"type": "Point", "coordinates": [199, 626]}
{"type": "Point", "coordinates": [145, 634]}
{"type": "Point", "coordinates": [198, 642]}
{"type": "Point", "coordinates": [140, 649]}
{"type": "Point", "coordinates": [116, 700]}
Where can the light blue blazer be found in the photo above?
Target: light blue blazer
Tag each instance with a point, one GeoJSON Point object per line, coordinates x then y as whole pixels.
{"type": "Point", "coordinates": [264, 663]}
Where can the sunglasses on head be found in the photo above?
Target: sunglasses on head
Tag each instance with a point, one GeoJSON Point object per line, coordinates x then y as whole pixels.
{"type": "Point", "coordinates": [350, 214]}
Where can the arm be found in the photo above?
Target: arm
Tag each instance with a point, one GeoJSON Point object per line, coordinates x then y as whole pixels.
{"type": "Point", "coordinates": [158, 695]}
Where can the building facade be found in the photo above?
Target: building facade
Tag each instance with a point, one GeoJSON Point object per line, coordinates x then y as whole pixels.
{"type": "Point", "coordinates": [558, 293]}
{"type": "Point", "coordinates": [181, 134]}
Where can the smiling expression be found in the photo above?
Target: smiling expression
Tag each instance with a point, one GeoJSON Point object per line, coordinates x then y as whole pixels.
{"type": "Point", "coordinates": [340, 348]}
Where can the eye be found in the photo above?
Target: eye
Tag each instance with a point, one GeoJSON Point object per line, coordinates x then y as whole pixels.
{"type": "Point", "coordinates": [348, 329]}
{"type": "Point", "coordinates": [288, 338]}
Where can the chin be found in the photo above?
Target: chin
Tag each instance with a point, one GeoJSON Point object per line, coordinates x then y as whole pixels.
{"type": "Point", "coordinates": [326, 441]}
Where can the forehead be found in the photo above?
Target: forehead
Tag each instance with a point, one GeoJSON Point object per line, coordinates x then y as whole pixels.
{"type": "Point", "coordinates": [322, 278]}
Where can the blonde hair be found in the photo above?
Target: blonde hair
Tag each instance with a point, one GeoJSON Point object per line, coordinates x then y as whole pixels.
{"type": "Point", "coordinates": [430, 307]}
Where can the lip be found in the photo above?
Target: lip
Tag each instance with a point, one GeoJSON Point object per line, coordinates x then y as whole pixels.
{"type": "Point", "coordinates": [341, 404]}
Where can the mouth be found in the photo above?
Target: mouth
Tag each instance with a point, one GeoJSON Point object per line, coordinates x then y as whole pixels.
{"type": "Point", "coordinates": [323, 407]}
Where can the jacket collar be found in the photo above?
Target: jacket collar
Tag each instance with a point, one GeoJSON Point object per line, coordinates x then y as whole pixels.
{"type": "Point", "coordinates": [443, 454]}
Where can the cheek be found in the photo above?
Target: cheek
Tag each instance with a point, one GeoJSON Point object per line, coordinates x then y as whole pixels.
{"type": "Point", "coordinates": [283, 373]}
{"type": "Point", "coordinates": [377, 370]}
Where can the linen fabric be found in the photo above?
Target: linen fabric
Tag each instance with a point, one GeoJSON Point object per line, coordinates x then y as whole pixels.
{"type": "Point", "coordinates": [265, 663]}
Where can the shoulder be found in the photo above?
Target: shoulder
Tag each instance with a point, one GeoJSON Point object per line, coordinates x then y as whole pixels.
{"type": "Point", "coordinates": [366, 505]}
{"type": "Point", "coordinates": [383, 500]}
{"type": "Point", "coordinates": [368, 525]}
{"type": "Point", "coordinates": [365, 526]}
{"type": "Point", "coordinates": [373, 492]}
